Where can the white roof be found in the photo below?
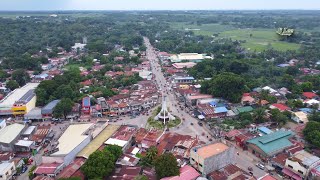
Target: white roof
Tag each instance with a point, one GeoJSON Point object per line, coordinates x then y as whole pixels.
{"type": "Point", "coordinates": [135, 151]}
{"type": "Point", "coordinates": [4, 167]}
{"type": "Point", "coordinates": [71, 138]}
{"type": "Point", "coordinates": [24, 143]}
{"type": "Point", "coordinates": [302, 116]}
{"type": "Point", "coordinates": [10, 132]}
{"type": "Point", "coordinates": [15, 95]}
{"type": "Point", "coordinates": [313, 101]}
{"type": "Point", "coordinates": [29, 130]}
{"type": "Point", "coordinates": [267, 88]}
{"type": "Point", "coordinates": [187, 56]}
{"type": "Point", "coordinates": [112, 141]}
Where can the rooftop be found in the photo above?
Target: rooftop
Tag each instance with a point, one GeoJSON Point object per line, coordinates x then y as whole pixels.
{"type": "Point", "coordinates": [4, 166]}
{"type": "Point", "coordinates": [98, 141]}
{"type": "Point", "coordinates": [10, 132]}
{"type": "Point", "coordinates": [186, 173]}
{"type": "Point", "coordinates": [306, 158]}
{"type": "Point", "coordinates": [29, 130]}
{"type": "Point", "coordinates": [71, 138]}
{"type": "Point", "coordinates": [48, 109]}
{"type": "Point", "coordinates": [15, 95]}
{"type": "Point", "coordinates": [124, 133]}
{"type": "Point", "coordinates": [211, 150]}
{"type": "Point", "coordinates": [41, 133]}
{"type": "Point", "coordinates": [273, 142]}
{"type": "Point", "coordinates": [47, 168]}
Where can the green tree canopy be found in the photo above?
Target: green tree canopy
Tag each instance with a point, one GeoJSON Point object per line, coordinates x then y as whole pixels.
{"type": "Point", "coordinates": [12, 85]}
{"type": "Point", "coordinates": [166, 165]}
{"type": "Point", "coordinates": [312, 133]}
{"type": "Point", "coordinates": [63, 108]}
{"type": "Point", "coordinates": [21, 76]}
{"type": "Point", "coordinates": [149, 159]}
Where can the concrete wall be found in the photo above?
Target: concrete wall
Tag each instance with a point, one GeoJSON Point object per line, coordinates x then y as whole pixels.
{"type": "Point", "coordinates": [10, 170]}
{"type": "Point", "coordinates": [31, 104]}
{"type": "Point", "coordinates": [70, 157]}
{"type": "Point", "coordinates": [296, 167]}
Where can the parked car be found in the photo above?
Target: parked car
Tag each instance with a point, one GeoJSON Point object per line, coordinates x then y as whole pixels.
{"type": "Point", "coordinates": [200, 123]}
{"type": "Point", "coordinates": [260, 166]}
{"type": "Point", "coordinates": [24, 169]}
{"type": "Point", "coordinates": [191, 124]}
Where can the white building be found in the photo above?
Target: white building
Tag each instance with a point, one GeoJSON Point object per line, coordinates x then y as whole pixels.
{"type": "Point", "coordinates": [7, 169]}
{"type": "Point", "coordinates": [190, 57]}
{"type": "Point", "coordinates": [300, 117]}
{"type": "Point", "coordinates": [9, 135]}
{"type": "Point", "coordinates": [72, 141]}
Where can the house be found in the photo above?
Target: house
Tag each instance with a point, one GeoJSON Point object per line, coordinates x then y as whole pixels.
{"type": "Point", "coordinates": [269, 145]}
{"type": "Point", "coordinates": [300, 117]}
{"type": "Point", "coordinates": [279, 161]}
{"type": "Point", "coordinates": [230, 172]}
{"type": "Point", "coordinates": [122, 137]}
{"type": "Point", "coordinates": [244, 109]}
{"type": "Point", "coordinates": [48, 169]}
{"type": "Point", "coordinates": [211, 157]}
{"type": "Point", "coordinates": [280, 107]}
{"type": "Point", "coordinates": [247, 100]}
{"type": "Point", "coordinates": [315, 172]}
{"type": "Point", "coordinates": [146, 75]}
{"type": "Point", "coordinates": [309, 95]}
{"type": "Point", "coordinates": [299, 165]}
{"type": "Point", "coordinates": [126, 172]}
{"type": "Point", "coordinates": [186, 173]}
{"type": "Point", "coordinates": [7, 170]}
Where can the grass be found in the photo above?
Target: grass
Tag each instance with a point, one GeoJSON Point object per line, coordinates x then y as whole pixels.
{"type": "Point", "coordinates": [261, 39]}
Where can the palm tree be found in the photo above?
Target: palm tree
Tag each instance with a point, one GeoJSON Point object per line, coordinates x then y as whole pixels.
{"type": "Point", "coordinates": [259, 115]}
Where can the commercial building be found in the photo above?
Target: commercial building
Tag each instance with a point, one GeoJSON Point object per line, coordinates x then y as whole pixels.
{"type": "Point", "coordinates": [299, 165]}
{"type": "Point", "coordinates": [211, 157]}
{"type": "Point", "coordinates": [20, 101]}
{"type": "Point", "coordinates": [2, 124]}
{"type": "Point", "coordinates": [72, 141]}
{"type": "Point", "coordinates": [184, 65]}
{"type": "Point", "coordinates": [7, 170]}
{"type": "Point", "coordinates": [122, 137]}
{"type": "Point", "coordinates": [9, 135]}
{"type": "Point", "coordinates": [86, 105]}
{"type": "Point", "coordinates": [180, 79]}
{"type": "Point", "coordinates": [47, 110]}
{"type": "Point", "coordinates": [271, 144]}
{"type": "Point", "coordinates": [98, 141]}
{"type": "Point", "coordinates": [190, 57]}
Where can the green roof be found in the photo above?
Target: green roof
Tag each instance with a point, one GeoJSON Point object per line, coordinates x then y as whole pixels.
{"type": "Point", "coordinates": [273, 142]}
{"type": "Point", "coordinates": [244, 109]}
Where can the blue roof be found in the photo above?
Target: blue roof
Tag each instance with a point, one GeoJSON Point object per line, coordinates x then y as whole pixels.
{"type": "Point", "coordinates": [213, 103]}
{"type": "Point", "coordinates": [187, 78]}
{"type": "Point", "coordinates": [41, 76]}
{"type": "Point", "coordinates": [265, 130]}
{"type": "Point", "coordinates": [273, 143]}
{"type": "Point", "coordinates": [283, 65]}
{"type": "Point", "coordinates": [220, 110]}
{"type": "Point", "coordinates": [48, 109]}
{"type": "Point", "coordinates": [86, 102]}
{"type": "Point", "coordinates": [306, 110]}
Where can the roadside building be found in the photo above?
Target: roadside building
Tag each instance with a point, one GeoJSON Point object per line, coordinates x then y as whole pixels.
{"type": "Point", "coordinates": [29, 131]}
{"type": "Point", "coordinates": [98, 141]}
{"type": "Point", "coordinates": [3, 123]}
{"type": "Point", "coordinates": [280, 107]}
{"type": "Point", "coordinates": [189, 57]}
{"type": "Point", "coordinates": [47, 110]}
{"type": "Point", "coordinates": [7, 170]}
{"type": "Point", "coordinates": [86, 105]}
{"type": "Point", "coordinates": [183, 79]}
{"type": "Point", "coordinates": [211, 157]}
{"type": "Point", "coordinates": [264, 130]}
{"type": "Point", "coordinates": [9, 135]}
{"type": "Point", "coordinates": [34, 114]}
{"type": "Point", "coordinates": [186, 65]}
{"type": "Point", "coordinates": [315, 172]}
{"type": "Point", "coordinates": [122, 137]}
{"type": "Point", "coordinates": [72, 141]}
{"type": "Point", "coordinates": [269, 145]}
{"type": "Point", "coordinates": [20, 101]}
{"type": "Point", "coordinates": [40, 134]}
{"type": "Point", "coordinates": [230, 172]}
{"type": "Point", "coordinates": [48, 169]}
{"type": "Point", "coordinates": [299, 165]}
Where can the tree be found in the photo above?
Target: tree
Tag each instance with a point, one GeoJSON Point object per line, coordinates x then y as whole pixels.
{"type": "Point", "coordinates": [166, 165]}
{"type": "Point", "coordinates": [70, 178]}
{"type": "Point", "coordinates": [306, 86]}
{"type": "Point", "coordinates": [98, 165]}
{"type": "Point", "coordinates": [292, 70]}
{"type": "Point", "coordinates": [149, 159]}
{"type": "Point", "coordinates": [12, 85]}
{"type": "Point", "coordinates": [141, 177]}
{"type": "Point", "coordinates": [115, 150]}
{"type": "Point", "coordinates": [279, 117]}
{"type": "Point", "coordinates": [21, 77]}
{"type": "Point", "coordinates": [314, 116]}
{"type": "Point", "coordinates": [312, 133]}
{"type": "Point", "coordinates": [63, 108]}
{"type": "Point", "coordinates": [259, 115]}
{"type": "Point", "coordinates": [226, 85]}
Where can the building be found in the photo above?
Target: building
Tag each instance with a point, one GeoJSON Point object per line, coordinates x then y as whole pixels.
{"type": "Point", "coordinates": [211, 157]}
{"type": "Point", "coordinates": [183, 65]}
{"type": "Point", "coordinates": [86, 105]}
{"type": "Point", "coordinates": [7, 170]}
{"type": "Point", "coordinates": [72, 141]}
{"type": "Point", "coordinates": [2, 124]}
{"type": "Point", "coordinates": [98, 141]}
{"type": "Point", "coordinates": [48, 169]}
{"type": "Point", "coordinates": [186, 173]}
{"type": "Point", "coordinates": [122, 137]}
{"type": "Point", "coordinates": [78, 46]}
{"type": "Point", "coordinates": [47, 110]}
{"type": "Point", "coordinates": [180, 79]}
{"type": "Point", "coordinates": [299, 165]}
{"type": "Point", "coordinates": [271, 144]}
{"type": "Point", "coordinates": [146, 75]}
{"type": "Point", "coordinates": [9, 135]}
{"type": "Point", "coordinates": [300, 117]}
{"type": "Point", "coordinates": [230, 172]}
{"type": "Point", "coordinates": [41, 134]}
{"type": "Point", "coordinates": [190, 57]}
{"type": "Point", "coordinates": [19, 101]}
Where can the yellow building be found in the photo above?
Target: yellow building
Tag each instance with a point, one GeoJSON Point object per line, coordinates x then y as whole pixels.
{"type": "Point", "coordinates": [25, 103]}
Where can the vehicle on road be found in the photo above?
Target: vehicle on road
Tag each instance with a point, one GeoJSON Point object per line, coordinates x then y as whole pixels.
{"type": "Point", "coordinates": [260, 166]}
{"type": "Point", "coordinates": [24, 169]}
{"type": "Point", "coordinates": [191, 124]}
{"type": "Point", "coordinates": [200, 123]}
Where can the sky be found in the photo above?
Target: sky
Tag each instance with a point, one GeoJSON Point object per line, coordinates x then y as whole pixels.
{"type": "Point", "coordinates": [12, 5]}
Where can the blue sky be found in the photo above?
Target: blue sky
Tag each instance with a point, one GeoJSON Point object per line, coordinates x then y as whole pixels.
{"type": "Point", "coordinates": [157, 4]}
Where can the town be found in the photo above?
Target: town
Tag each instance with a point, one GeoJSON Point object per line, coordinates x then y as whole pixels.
{"type": "Point", "coordinates": [140, 104]}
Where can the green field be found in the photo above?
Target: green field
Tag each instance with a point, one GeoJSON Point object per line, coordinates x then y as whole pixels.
{"type": "Point", "coordinates": [260, 40]}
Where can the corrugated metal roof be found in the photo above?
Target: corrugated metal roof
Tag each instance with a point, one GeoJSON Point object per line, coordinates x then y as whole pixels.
{"type": "Point", "coordinates": [48, 109]}
{"type": "Point", "coordinates": [9, 133]}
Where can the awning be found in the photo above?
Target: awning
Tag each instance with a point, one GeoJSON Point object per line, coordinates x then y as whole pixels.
{"type": "Point", "coordinates": [291, 174]}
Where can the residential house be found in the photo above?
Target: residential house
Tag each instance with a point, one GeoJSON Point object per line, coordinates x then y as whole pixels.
{"type": "Point", "coordinates": [300, 117]}
{"type": "Point", "coordinates": [7, 170]}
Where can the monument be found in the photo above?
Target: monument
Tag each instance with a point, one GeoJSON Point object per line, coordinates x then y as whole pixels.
{"type": "Point", "coordinates": [164, 114]}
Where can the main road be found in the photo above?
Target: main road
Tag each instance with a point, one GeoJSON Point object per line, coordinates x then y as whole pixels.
{"type": "Point", "coordinates": [189, 125]}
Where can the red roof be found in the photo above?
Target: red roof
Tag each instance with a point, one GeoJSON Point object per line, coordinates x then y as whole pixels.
{"type": "Point", "coordinates": [47, 168]}
{"type": "Point", "coordinates": [281, 107]}
{"type": "Point", "coordinates": [233, 133]}
{"type": "Point", "coordinates": [309, 95]}
{"type": "Point", "coordinates": [268, 177]}
{"type": "Point", "coordinates": [186, 173]}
